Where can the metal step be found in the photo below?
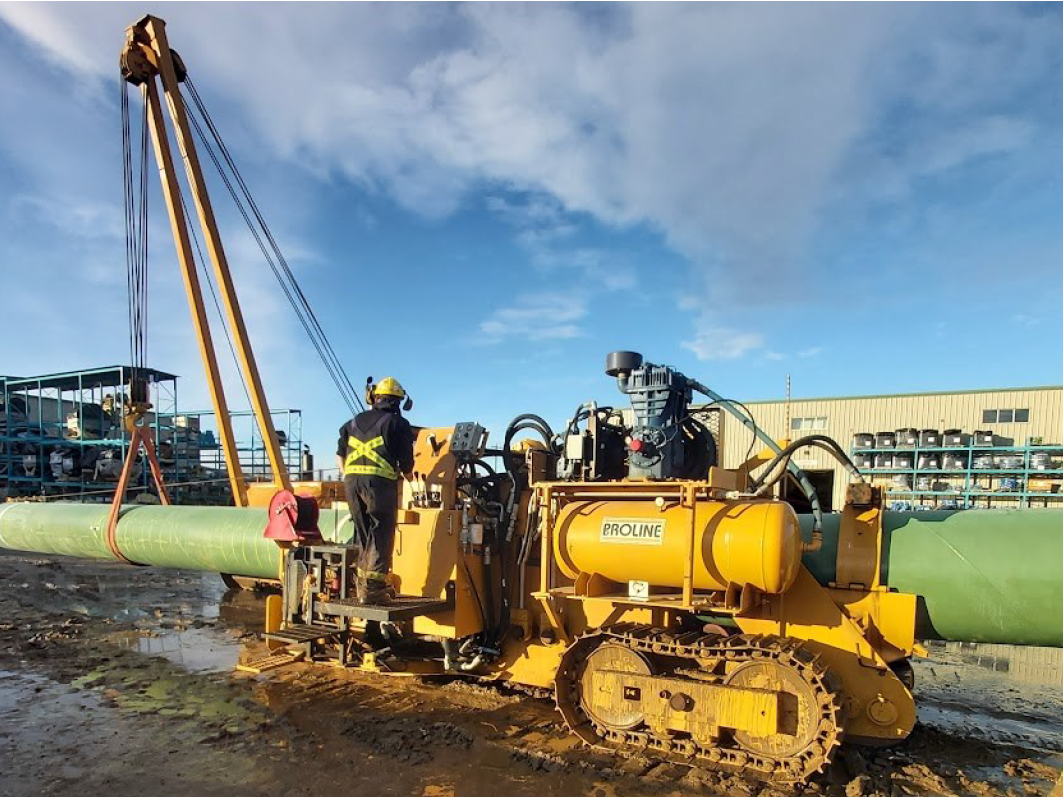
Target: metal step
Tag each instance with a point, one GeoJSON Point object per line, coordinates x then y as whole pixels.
{"type": "Point", "coordinates": [278, 660]}
{"type": "Point", "coordinates": [302, 633]}
{"type": "Point", "coordinates": [399, 609]}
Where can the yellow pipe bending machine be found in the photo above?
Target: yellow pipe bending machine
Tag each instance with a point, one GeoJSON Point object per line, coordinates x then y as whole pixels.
{"type": "Point", "coordinates": [660, 597]}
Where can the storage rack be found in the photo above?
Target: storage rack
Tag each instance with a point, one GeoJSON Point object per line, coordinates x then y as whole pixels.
{"type": "Point", "coordinates": [254, 461]}
{"type": "Point", "coordinates": [34, 423]}
{"type": "Point", "coordinates": [969, 494]}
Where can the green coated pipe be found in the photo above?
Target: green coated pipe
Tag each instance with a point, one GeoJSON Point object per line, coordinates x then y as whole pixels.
{"type": "Point", "coordinates": [986, 576]}
{"type": "Point", "coordinates": [222, 539]}
{"type": "Point", "coordinates": [993, 576]}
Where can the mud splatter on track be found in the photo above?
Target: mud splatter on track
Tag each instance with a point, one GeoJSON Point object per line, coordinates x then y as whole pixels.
{"type": "Point", "coordinates": [117, 680]}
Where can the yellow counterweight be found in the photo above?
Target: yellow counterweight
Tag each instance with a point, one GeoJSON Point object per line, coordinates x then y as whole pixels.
{"type": "Point", "coordinates": [745, 542]}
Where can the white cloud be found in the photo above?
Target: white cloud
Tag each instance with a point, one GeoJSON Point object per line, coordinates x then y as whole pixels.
{"type": "Point", "coordinates": [811, 351]}
{"type": "Point", "coordinates": [538, 213]}
{"type": "Point", "coordinates": [536, 317]}
{"type": "Point", "coordinates": [545, 231]}
{"type": "Point", "coordinates": [603, 271]}
{"type": "Point", "coordinates": [727, 128]}
{"type": "Point", "coordinates": [724, 343]}
{"type": "Point", "coordinates": [71, 216]}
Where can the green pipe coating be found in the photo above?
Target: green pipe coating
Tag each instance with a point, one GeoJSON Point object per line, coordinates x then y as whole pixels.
{"type": "Point", "coordinates": [986, 576]}
{"type": "Point", "coordinates": [222, 539]}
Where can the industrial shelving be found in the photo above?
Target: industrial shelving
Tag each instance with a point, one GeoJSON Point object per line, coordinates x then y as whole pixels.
{"type": "Point", "coordinates": [81, 411]}
{"type": "Point", "coordinates": [76, 411]}
{"type": "Point", "coordinates": [968, 490]}
{"type": "Point", "coordinates": [209, 457]}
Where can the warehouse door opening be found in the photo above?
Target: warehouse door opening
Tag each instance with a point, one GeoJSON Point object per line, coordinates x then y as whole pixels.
{"type": "Point", "coordinates": [822, 481]}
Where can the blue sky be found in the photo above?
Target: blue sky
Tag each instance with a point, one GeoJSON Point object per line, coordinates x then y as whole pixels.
{"type": "Point", "coordinates": [485, 199]}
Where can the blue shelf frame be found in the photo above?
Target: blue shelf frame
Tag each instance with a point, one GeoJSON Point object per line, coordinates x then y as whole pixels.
{"type": "Point", "coordinates": [249, 444]}
{"type": "Point", "coordinates": [42, 404]}
{"type": "Point", "coordinates": [971, 489]}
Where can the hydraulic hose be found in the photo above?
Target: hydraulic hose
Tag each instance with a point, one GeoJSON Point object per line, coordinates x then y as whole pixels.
{"type": "Point", "coordinates": [490, 476]}
{"type": "Point", "coordinates": [524, 421]}
{"type": "Point", "coordinates": [531, 417]}
{"type": "Point", "coordinates": [810, 492]}
{"type": "Point", "coordinates": [484, 465]}
{"type": "Point", "coordinates": [819, 441]}
{"type": "Point", "coordinates": [528, 421]}
{"type": "Point", "coordinates": [582, 412]}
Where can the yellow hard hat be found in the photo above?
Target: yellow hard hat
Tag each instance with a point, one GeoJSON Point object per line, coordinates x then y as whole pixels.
{"type": "Point", "coordinates": [389, 386]}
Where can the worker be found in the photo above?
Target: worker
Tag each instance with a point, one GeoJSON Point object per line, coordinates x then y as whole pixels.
{"type": "Point", "coordinates": [374, 448]}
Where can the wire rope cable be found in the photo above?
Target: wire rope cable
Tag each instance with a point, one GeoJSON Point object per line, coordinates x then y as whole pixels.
{"type": "Point", "coordinates": [263, 235]}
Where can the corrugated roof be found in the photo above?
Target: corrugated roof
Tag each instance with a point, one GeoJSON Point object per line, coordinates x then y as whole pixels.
{"type": "Point", "coordinates": [69, 380]}
{"type": "Point", "coordinates": [902, 395]}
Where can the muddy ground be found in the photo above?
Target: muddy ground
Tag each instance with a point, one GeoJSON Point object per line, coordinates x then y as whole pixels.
{"type": "Point", "coordinates": [117, 681]}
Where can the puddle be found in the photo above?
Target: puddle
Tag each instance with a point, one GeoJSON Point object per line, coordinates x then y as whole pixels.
{"type": "Point", "coordinates": [242, 611]}
{"type": "Point", "coordinates": [1008, 694]}
{"type": "Point", "coordinates": [16, 688]}
{"type": "Point", "coordinates": [119, 592]}
{"type": "Point", "coordinates": [199, 642]}
{"type": "Point", "coordinates": [137, 736]}
{"type": "Point", "coordinates": [203, 650]}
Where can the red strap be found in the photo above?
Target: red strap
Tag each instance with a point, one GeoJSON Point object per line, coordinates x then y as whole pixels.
{"type": "Point", "coordinates": [140, 437]}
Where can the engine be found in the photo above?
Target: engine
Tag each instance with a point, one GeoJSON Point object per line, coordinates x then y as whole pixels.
{"type": "Point", "coordinates": [663, 439]}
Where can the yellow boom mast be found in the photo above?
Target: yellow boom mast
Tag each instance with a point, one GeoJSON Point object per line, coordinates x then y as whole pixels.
{"type": "Point", "coordinates": [147, 57]}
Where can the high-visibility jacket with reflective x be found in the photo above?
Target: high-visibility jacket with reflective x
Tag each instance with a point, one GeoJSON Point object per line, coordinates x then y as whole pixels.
{"type": "Point", "coordinates": [369, 457]}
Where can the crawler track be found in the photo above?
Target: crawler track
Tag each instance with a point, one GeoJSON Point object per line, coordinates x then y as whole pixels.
{"type": "Point", "coordinates": [717, 659]}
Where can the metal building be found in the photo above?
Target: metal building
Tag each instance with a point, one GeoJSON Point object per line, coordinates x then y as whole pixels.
{"type": "Point", "coordinates": [941, 450]}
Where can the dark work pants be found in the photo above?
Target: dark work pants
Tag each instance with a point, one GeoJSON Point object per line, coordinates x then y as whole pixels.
{"type": "Point", "coordinates": [374, 506]}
